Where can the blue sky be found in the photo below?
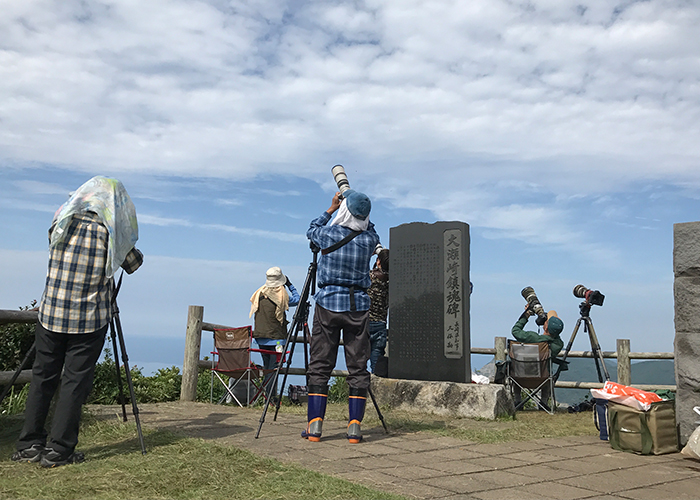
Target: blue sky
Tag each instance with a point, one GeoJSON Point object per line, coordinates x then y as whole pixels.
{"type": "Point", "coordinates": [564, 133]}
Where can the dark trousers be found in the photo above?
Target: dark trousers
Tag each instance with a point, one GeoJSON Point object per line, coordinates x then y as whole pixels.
{"type": "Point", "coordinates": [325, 339]}
{"type": "Point", "coordinates": [269, 363]}
{"type": "Point", "coordinates": [75, 355]}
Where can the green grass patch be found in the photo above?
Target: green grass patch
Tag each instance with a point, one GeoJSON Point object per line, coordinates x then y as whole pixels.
{"type": "Point", "coordinates": [174, 467]}
{"type": "Point", "coordinates": [527, 426]}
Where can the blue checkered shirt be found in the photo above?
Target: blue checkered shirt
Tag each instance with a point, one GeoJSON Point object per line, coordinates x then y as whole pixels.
{"type": "Point", "coordinates": [345, 267]}
{"type": "Point", "coordinates": [77, 297]}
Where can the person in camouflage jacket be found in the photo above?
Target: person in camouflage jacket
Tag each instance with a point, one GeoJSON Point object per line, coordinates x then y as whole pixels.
{"type": "Point", "coordinates": [379, 295]}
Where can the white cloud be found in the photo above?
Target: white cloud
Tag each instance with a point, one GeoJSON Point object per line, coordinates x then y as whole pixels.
{"type": "Point", "coordinates": [238, 90]}
{"type": "Point", "coordinates": [39, 188]}
{"type": "Point", "coordinates": [448, 106]}
{"type": "Point", "coordinates": [261, 233]}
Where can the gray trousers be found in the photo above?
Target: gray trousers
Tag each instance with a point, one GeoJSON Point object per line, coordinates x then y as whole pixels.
{"type": "Point", "coordinates": [325, 339]}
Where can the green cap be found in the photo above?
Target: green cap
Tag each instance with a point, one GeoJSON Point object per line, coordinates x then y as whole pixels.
{"type": "Point", "coordinates": [555, 326]}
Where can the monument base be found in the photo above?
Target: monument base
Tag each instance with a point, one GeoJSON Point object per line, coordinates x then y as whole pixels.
{"type": "Point", "coordinates": [444, 398]}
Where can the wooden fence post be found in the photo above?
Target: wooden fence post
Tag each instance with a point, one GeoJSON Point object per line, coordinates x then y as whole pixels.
{"type": "Point", "coordinates": [193, 341]}
{"type": "Point", "coordinates": [624, 367]}
{"type": "Point", "coordinates": [499, 343]}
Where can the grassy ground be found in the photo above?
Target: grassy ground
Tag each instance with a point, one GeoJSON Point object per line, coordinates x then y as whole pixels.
{"type": "Point", "coordinates": [176, 467]}
{"type": "Point", "coordinates": [179, 467]}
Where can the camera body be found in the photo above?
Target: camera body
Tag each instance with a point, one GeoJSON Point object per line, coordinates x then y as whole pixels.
{"type": "Point", "coordinates": [593, 297]}
{"type": "Point", "coordinates": [534, 304]}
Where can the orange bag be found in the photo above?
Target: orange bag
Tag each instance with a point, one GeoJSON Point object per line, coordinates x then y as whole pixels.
{"type": "Point", "coordinates": [628, 396]}
{"type": "Point", "coordinates": [624, 390]}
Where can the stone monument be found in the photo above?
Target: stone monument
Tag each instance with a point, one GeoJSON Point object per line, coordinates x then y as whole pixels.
{"type": "Point", "coordinates": [429, 302]}
{"type": "Point", "coordinates": [686, 291]}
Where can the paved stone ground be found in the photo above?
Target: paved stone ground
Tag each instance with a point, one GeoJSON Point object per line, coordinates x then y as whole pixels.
{"type": "Point", "coordinates": [423, 465]}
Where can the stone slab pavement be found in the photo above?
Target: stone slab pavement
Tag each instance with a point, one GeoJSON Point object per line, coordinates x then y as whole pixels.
{"type": "Point", "coordinates": [426, 466]}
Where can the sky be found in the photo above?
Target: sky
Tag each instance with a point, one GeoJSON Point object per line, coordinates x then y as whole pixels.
{"type": "Point", "coordinates": [564, 133]}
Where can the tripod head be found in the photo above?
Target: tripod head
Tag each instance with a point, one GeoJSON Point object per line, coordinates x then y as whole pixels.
{"type": "Point", "coordinates": [585, 308]}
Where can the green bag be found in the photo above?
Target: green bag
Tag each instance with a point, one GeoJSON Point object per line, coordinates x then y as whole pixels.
{"type": "Point", "coordinates": [645, 432]}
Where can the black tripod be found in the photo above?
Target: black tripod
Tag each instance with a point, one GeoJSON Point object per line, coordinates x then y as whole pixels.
{"type": "Point", "coordinates": [585, 308]}
{"type": "Point", "coordinates": [116, 333]}
{"type": "Point", "coordinates": [300, 323]}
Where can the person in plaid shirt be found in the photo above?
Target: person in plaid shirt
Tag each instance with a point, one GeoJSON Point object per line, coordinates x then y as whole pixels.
{"type": "Point", "coordinates": [95, 229]}
{"type": "Point", "coordinates": [342, 303]}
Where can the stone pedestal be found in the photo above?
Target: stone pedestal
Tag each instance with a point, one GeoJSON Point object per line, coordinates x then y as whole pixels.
{"type": "Point", "coordinates": [444, 398]}
{"type": "Point", "coordinates": [686, 291]}
{"type": "Point", "coordinates": [429, 302]}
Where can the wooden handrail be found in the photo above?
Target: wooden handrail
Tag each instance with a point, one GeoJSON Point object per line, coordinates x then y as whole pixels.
{"type": "Point", "coordinates": [196, 325]}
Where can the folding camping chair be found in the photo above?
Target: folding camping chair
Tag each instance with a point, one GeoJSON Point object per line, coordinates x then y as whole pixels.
{"type": "Point", "coordinates": [267, 373]}
{"type": "Point", "coordinates": [231, 357]}
{"type": "Point", "coordinates": [529, 371]}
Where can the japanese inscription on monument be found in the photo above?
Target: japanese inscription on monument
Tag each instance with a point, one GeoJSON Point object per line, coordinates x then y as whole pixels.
{"type": "Point", "coordinates": [453, 293]}
{"type": "Point", "coordinates": [429, 302]}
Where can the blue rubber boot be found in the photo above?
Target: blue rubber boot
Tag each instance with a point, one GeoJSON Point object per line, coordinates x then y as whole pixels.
{"type": "Point", "coordinates": [356, 412]}
{"type": "Point", "coordinates": [318, 397]}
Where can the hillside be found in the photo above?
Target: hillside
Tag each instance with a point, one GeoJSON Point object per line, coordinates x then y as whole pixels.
{"type": "Point", "coordinates": [643, 372]}
{"type": "Point", "coordinates": [584, 370]}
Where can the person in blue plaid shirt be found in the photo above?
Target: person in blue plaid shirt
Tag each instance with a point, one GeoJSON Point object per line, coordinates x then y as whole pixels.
{"type": "Point", "coordinates": [92, 235]}
{"type": "Point", "coordinates": [347, 245]}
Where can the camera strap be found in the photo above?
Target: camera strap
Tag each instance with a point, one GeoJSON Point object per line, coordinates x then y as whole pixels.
{"type": "Point", "coordinates": [335, 246]}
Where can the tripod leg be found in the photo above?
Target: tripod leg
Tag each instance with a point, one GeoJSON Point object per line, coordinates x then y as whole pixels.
{"type": "Point", "coordinates": [300, 317]}
{"type": "Point", "coordinates": [7, 388]}
{"type": "Point", "coordinates": [286, 371]}
{"type": "Point", "coordinates": [122, 401]}
{"type": "Point", "coordinates": [597, 352]}
{"type": "Point", "coordinates": [376, 407]}
{"type": "Point", "coordinates": [125, 358]}
{"type": "Point", "coordinates": [289, 341]}
{"type": "Point", "coordinates": [307, 342]}
{"type": "Point", "coordinates": [568, 349]}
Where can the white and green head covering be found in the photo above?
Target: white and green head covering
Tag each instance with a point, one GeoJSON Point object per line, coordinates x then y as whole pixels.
{"type": "Point", "coordinates": [109, 200]}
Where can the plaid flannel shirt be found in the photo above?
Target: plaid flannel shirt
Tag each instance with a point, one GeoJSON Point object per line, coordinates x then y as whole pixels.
{"type": "Point", "coordinates": [345, 267]}
{"type": "Point", "coordinates": [77, 297]}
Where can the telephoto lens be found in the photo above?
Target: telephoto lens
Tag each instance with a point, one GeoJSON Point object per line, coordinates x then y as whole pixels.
{"type": "Point", "coordinates": [529, 294]}
{"type": "Point", "coordinates": [340, 178]}
{"type": "Point", "coordinates": [594, 297]}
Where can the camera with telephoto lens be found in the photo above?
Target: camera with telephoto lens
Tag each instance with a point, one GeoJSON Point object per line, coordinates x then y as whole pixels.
{"type": "Point", "coordinates": [593, 297]}
{"type": "Point", "coordinates": [340, 179]}
{"type": "Point", "coordinates": [534, 305]}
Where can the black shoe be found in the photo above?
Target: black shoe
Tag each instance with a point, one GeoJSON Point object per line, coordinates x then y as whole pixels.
{"type": "Point", "coordinates": [55, 459]}
{"type": "Point", "coordinates": [545, 407]}
{"type": "Point", "coordinates": [31, 454]}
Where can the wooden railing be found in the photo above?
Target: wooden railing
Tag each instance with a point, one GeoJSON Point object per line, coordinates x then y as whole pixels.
{"type": "Point", "coordinates": [7, 317]}
{"type": "Point", "coordinates": [195, 325]}
{"type": "Point", "coordinates": [193, 339]}
{"type": "Point", "coordinates": [622, 354]}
